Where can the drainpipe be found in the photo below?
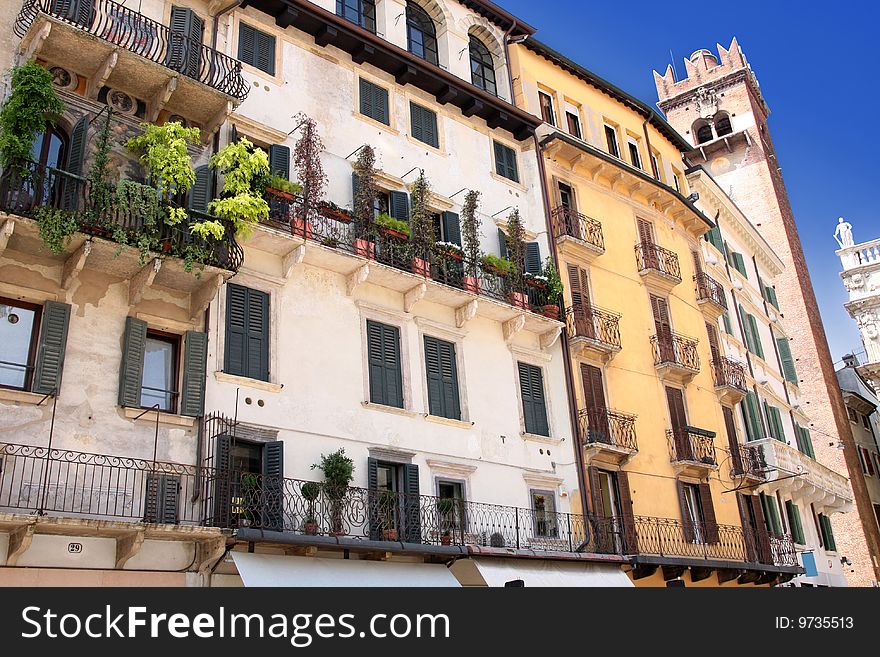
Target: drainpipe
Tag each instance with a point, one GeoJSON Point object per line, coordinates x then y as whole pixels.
{"type": "Point", "coordinates": [215, 24]}
{"type": "Point", "coordinates": [566, 352]}
{"type": "Point", "coordinates": [505, 41]}
{"type": "Point", "coordinates": [650, 152]}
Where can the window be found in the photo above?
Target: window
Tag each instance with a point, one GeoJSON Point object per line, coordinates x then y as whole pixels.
{"type": "Point", "coordinates": [774, 419]}
{"type": "Point", "coordinates": [544, 508]}
{"type": "Point", "coordinates": [703, 131]}
{"type": "Point", "coordinates": [655, 166]}
{"type": "Point", "coordinates": [547, 111]}
{"type": "Point", "coordinates": [692, 511]}
{"type": "Point", "coordinates": [634, 156]}
{"type": "Point", "coordinates": [50, 147]}
{"type": "Point", "coordinates": [442, 373]}
{"type": "Point", "coordinates": [394, 512]}
{"type": "Point", "coordinates": [374, 101]}
{"type": "Point", "coordinates": [751, 333]}
{"type": "Point", "coordinates": [159, 382]}
{"type": "Point", "coordinates": [33, 341]}
{"type": "Point", "coordinates": [247, 332]}
{"type": "Point", "coordinates": [853, 415]}
{"type": "Point", "coordinates": [421, 36]}
{"type": "Point", "coordinates": [714, 238]}
{"type": "Point", "coordinates": [531, 386]}
{"type": "Point", "coordinates": [451, 513]}
{"type": "Point", "coordinates": [383, 359]}
{"type": "Point", "coordinates": [505, 162]}
{"type": "Point", "coordinates": [804, 441]}
{"type": "Point", "coordinates": [482, 66]}
{"type": "Point", "coordinates": [722, 124]}
{"type": "Point", "coordinates": [676, 182]}
{"type": "Point", "coordinates": [788, 368]}
{"type": "Point", "coordinates": [574, 124]}
{"type": "Point", "coordinates": [770, 296]}
{"type": "Point", "coordinates": [737, 261]}
{"type": "Point", "coordinates": [794, 522]}
{"type": "Point", "coordinates": [752, 417]}
{"type": "Point", "coordinates": [359, 12]}
{"type": "Point", "coordinates": [827, 533]}
{"type": "Point", "coordinates": [611, 141]}
{"type": "Point", "coordinates": [771, 514]}
{"type": "Point", "coordinates": [866, 422]}
{"type": "Point", "coordinates": [424, 125]}
{"type": "Point", "coordinates": [256, 48]}
{"type": "Point", "coordinates": [869, 466]}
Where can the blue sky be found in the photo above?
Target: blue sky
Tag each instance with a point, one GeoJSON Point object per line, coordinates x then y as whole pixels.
{"type": "Point", "coordinates": [816, 65]}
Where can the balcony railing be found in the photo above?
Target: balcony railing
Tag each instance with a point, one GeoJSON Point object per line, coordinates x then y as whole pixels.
{"type": "Point", "coordinates": [566, 222]}
{"type": "Point", "coordinates": [748, 461]}
{"type": "Point", "coordinates": [692, 445]}
{"type": "Point", "coordinates": [651, 257]}
{"type": "Point", "coordinates": [605, 427]}
{"type": "Point", "coordinates": [708, 289]}
{"type": "Point", "coordinates": [596, 324]}
{"type": "Point", "coordinates": [128, 29]}
{"type": "Point", "coordinates": [677, 350]}
{"type": "Point", "coordinates": [26, 189]}
{"type": "Point", "coordinates": [729, 374]}
{"type": "Point", "coordinates": [340, 232]}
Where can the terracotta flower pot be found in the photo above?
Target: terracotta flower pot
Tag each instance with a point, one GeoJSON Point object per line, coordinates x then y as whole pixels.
{"type": "Point", "coordinates": [279, 194]}
{"type": "Point", "coordinates": [421, 267]}
{"type": "Point", "coordinates": [336, 215]}
{"type": "Point", "coordinates": [395, 234]}
{"type": "Point", "coordinates": [470, 284]}
{"type": "Point", "coordinates": [365, 248]}
{"type": "Point", "coordinates": [302, 228]}
{"type": "Point", "coordinates": [550, 311]}
{"type": "Point", "coordinates": [310, 528]}
{"type": "Point", "coordinates": [389, 534]}
{"type": "Point", "coordinates": [519, 299]}
{"type": "Point", "coordinates": [446, 539]}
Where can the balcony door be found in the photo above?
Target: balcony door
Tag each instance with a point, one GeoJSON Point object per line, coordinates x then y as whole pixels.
{"type": "Point", "coordinates": [394, 501]}
{"type": "Point", "coordinates": [678, 420]}
{"type": "Point", "coordinates": [248, 483]}
{"type": "Point", "coordinates": [717, 365]}
{"type": "Point", "coordinates": [692, 512]}
{"type": "Point", "coordinates": [594, 404]}
{"type": "Point", "coordinates": [568, 216]}
{"type": "Point", "coordinates": [609, 507]}
{"type": "Point", "coordinates": [582, 307]}
{"type": "Point", "coordinates": [646, 239]}
{"type": "Point", "coordinates": [663, 327]}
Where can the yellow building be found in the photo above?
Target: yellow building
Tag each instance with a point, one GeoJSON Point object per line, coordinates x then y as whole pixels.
{"type": "Point", "coordinates": [663, 475]}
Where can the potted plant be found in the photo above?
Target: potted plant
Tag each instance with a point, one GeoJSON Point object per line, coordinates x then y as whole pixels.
{"type": "Point", "coordinates": [470, 240]}
{"type": "Point", "coordinates": [338, 472]}
{"type": "Point", "coordinates": [281, 188]}
{"type": "Point", "coordinates": [449, 250]}
{"type": "Point", "coordinates": [310, 172]}
{"type": "Point", "coordinates": [241, 165]}
{"type": "Point", "coordinates": [421, 226]}
{"type": "Point", "coordinates": [517, 244]}
{"type": "Point", "coordinates": [364, 202]}
{"type": "Point", "coordinates": [332, 211]}
{"type": "Point", "coordinates": [310, 492]}
{"type": "Point", "coordinates": [391, 227]}
{"type": "Point", "coordinates": [496, 540]}
{"type": "Point", "coordinates": [554, 290]}
{"type": "Point", "coordinates": [387, 503]}
{"type": "Point", "coordinates": [445, 509]}
{"type": "Point", "coordinates": [248, 499]}
{"type": "Point", "coordinates": [329, 240]}
{"type": "Point", "coordinates": [495, 265]}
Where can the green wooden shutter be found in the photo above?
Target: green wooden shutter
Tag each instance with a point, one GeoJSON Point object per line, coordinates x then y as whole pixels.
{"type": "Point", "coordinates": [794, 522]}
{"type": "Point", "coordinates": [533, 258]}
{"type": "Point", "coordinates": [788, 368]}
{"type": "Point", "coordinates": [383, 356]}
{"type": "Point", "coordinates": [531, 382]}
{"type": "Point", "coordinates": [442, 375]}
{"type": "Point", "coordinates": [374, 101]}
{"type": "Point", "coordinates": [257, 335]}
{"type": "Point", "coordinates": [201, 193]}
{"type": "Point", "coordinates": [195, 362]}
{"type": "Point", "coordinates": [374, 521]}
{"type": "Point", "coordinates": [751, 412]}
{"type": "Point", "coordinates": [247, 332]}
{"type": "Point", "coordinates": [367, 101]}
{"type": "Point", "coordinates": [505, 162]}
{"type": "Point", "coordinates": [273, 486]}
{"type": "Point", "coordinates": [412, 526]}
{"type": "Point", "coordinates": [451, 227]}
{"type": "Point", "coordinates": [131, 372]}
{"type": "Point", "coordinates": [424, 125]}
{"type": "Point", "coordinates": [51, 348]}
{"type": "Point", "coordinates": [714, 238]}
{"type": "Point", "coordinates": [805, 442]}
{"type": "Point", "coordinates": [503, 250]}
{"type": "Point", "coordinates": [770, 295]}
{"type": "Point", "coordinates": [827, 533]}
{"type": "Point", "coordinates": [771, 514]}
{"type": "Point", "coordinates": [758, 347]}
{"type": "Point", "coordinates": [185, 41]}
{"type": "Point", "coordinates": [73, 164]}
{"type": "Point", "coordinates": [739, 263]}
{"type": "Point", "coordinates": [162, 499]}
{"type": "Point", "coordinates": [222, 479]}
{"type": "Point", "coordinates": [728, 327]}
{"type": "Point", "coordinates": [279, 160]}
{"type": "Point", "coordinates": [399, 209]}
{"type": "Point", "coordinates": [265, 60]}
{"type": "Point", "coordinates": [247, 44]}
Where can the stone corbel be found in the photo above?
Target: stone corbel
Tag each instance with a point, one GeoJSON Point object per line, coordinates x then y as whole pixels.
{"type": "Point", "coordinates": [99, 79]}
{"type": "Point", "coordinates": [29, 49]}
{"type": "Point", "coordinates": [292, 259]}
{"type": "Point", "coordinates": [355, 278]}
{"type": "Point", "coordinates": [142, 280]}
{"type": "Point", "coordinates": [127, 546]}
{"type": "Point", "coordinates": [513, 326]}
{"type": "Point", "coordinates": [201, 298]}
{"type": "Point", "coordinates": [209, 553]}
{"type": "Point", "coordinates": [19, 541]}
{"type": "Point", "coordinates": [5, 233]}
{"type": "Point", "coordinates": [74, 264]}
{"type": "Point", "coordinates": [160, 99]}
{"type": "Point", "coordinates": [214, 124]}
{"type": "Point", "coordinates": [412, 297]}
{"type": "Point", "coordinates": [465, 313]}
{"type": "Point", "coordinates": [549, 338]}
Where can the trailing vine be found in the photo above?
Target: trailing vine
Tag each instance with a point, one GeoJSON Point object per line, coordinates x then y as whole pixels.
{"type": "Point", "coordinates": [308, 166]}
{"type": "Point", "coordinates": [365, 194]}
{"type": "Point", "coordinates": [420, 225]}
{"type": "Point", "coordinates": [241, 165]}
{"type": "Point", "coordinates": [138, 200]}
{"type": "Point", "coordinates": [56, 227]}
{"type": "Point", "coordinates": [470, 231]}
{"type": "Point", "coordinates": [31, 104]}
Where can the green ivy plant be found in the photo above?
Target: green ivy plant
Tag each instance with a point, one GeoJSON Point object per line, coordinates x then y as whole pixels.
{"type": "Point", "coordinates": [132, 198]}
{"type": "Point", "coordinates": [241, 165]}
{"type": "Point", "coordinates": [56, 227]}
{"type": "Point", "coordinates": [32, 103]}
{"type": "Point", "coordinates": [554, 282]}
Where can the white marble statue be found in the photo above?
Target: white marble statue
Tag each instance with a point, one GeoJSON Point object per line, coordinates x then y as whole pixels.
{"type": "Point", "coordinates": [843, 234]}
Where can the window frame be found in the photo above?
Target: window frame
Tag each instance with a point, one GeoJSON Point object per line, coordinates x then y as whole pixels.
{"type": "Point", "coordinates": [485, 62]}
{"type": "Point", "coordinates": [635, 153]}
{"type": "Point", "coordinates": [364, 19]}
{"type": "Point", "coordinates": [553, 525]}
{"type": "Point", "coordinates": [411, 24]}
{"type": "Point", "coordinates": [612, 140]}
{"type": "Point", "coordinates": [365, 82]}
{"type": "Point", "coordinates": [548, 108]}
{"type": "Point", "coordinates": [176, 342]}
{"type": "Point", "coordinates": [515, 158]}
{"type": "Point", "coordinates": [521, 360]}
{"type": "Point", "coordinates": [260, 33]}
{"type": "Point", "coordinates": [578, 132]}
{"type": "Point", "coordinates": [412, 107]}
{"type": "Point", "coordinates": [30, 365]}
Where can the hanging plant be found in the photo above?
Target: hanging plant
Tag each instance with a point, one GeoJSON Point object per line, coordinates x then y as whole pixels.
{"type": "Point", "coordinates": [517, 246]}
{"type": "Point", "coordinates": [470, 232]}
{"type": "Point", "coordinates": [308, 166]}
{"type": "Point", "coordinates": [241, 165]}
{"type": "Point", "coordinates": [421, 225]}
{"type": "Point", "coordinates": [365, 195]}
{"type": "Point", "coordinates": [136, 200]}
{"type": "Point", "coordinates": [56, 227]}
{"type": "Point", "coordinates": [31, 104]}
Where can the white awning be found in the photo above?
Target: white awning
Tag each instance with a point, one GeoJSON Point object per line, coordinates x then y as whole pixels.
{"type": "Point", "coordinates": [537, 572]}
{"type": "Point", "coordinates": [281, 570]}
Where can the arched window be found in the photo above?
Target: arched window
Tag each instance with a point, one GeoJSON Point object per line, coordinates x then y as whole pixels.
{"type": "Point", "coordinates": [703, 131]}
{"type": "Point", "coordinates": [359, 12]}
{"type": "Point", "coordinates": [722, 125]}
{"type": "Point", "coordinates": [421, 36]}
{"type": "Point", "coordinates": [482, 66]}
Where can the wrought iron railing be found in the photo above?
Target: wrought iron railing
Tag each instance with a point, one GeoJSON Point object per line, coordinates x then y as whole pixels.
{"type": "Point", "coordinates": [128, 29]}
{"type": "Point", "coordinates": [729, 374]}
{"type": "Point", "coordinates": [26, 188]}
{"type": "Point", "coordinates": [339, 231]}
{"type": "Point", "coordinates": [748, 461]}
{"type": "Point", "coordinates": [596, 324]}
{"type": "Point", "coordinates": [653, 257]}
{"type": "Point", "coordinates": [674, 349]}
{"type": "Point", "coordinates": [604, 426]}
{"type": "Point", "coordinates": [692, 445]}
{"type": "Point", "coordinates": [571, 223]}
{"type": "Point", "coordinates": [708, 289]}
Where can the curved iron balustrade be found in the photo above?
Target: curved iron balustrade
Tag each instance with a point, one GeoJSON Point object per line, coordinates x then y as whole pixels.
{"type": "Point", "coordinates": [685, 444]}
{"type": "Point", "coordinates": [729, 373]}
{"type": "Point", "coordinates": [567, 222]}
{"type": "Point", "coordinates": [655, 257]}
{"type": "Point", "coordinates": [601, 326]}
{"type": "Point", "coordinates": [674, 349]}
{"type": "Point", "coordinates": [604, 426]}
{"type": "Point", "coordinates": [708, 289]}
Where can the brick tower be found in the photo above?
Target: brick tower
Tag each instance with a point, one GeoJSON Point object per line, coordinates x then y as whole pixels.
{"type": "Point", "coordinates": [720, 109]}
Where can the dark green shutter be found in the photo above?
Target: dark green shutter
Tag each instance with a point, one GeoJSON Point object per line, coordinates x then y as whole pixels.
{"type": "Point", "coordinates": [531, 383]}
{"type": "Point", "coordinates": [73, 164]}
{"type": "Point", "coordinates": [533, 258]}
{"type": "Point", "coordinates": [162, 498]}
{"type": "Point", "coordinates": [195, 362]}
{"type": "Point", "coordinates": [424, 125]}
{"type": "Point", "coordinates": [256, 48]}
{"type": "Point", "coordinates": [442, 375]}
{"type": "Point", "coordinates": [751, 412]}
{"type": "Point", "coordinates": [785, 356]}
{"type": "Point", "coordinates": [374, 101]}
{"type": "Point", "coordinates": [222, 476]}
{"type": "Point", "coordinates": [266, 53]}
{"type": "Point", "coordinates": [412, 525]}
{"type": "Point", "coordinates": [805, 442]}
{"type": "Point", "coordinates": [451, 227]}
{"type": "Point", "coordinates": [728, 327]}
{"type": "Point", "coordinates": [374, 520]}
{"type": "Point", "coordinates": [771, 514]}
{"type": "Point", "coordinates": [505, 162]}
{"type": "Point", "coordinates": [794, 522]}
{"type": "Point", "coordinates": [757, 347]}
{"type": "Point", "coordinates": [201, 193]}
{"type": "Point", "coordinates": [739, 263]}
{"type": "Point", "coordinates": [247, 44]}
{"type": "Point", "coordinates": [247, 332]}
{"type": "Point", "coordinates": [770, 295]}
{"type": "Point", "coordinates": [383, 355]}
{"type": "Point", "coordinates": [714, 238]}
{"type": "Point", "coordinates": [185, 42]}
{"type": "Point", "coordinates": [503, 251]}
{"type": "Point", "coordinates": [273, 486]}
{"type": "Point", "coordinates": [279, 160]}
{"type": "Point", "coordinates": [51, 348]}
{"type": "Point", "coordinates": [131, 372]}
{"type": "Point", "coordinates": [399, 206]}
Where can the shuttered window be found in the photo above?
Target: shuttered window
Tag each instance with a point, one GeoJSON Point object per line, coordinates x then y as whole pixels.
{"type": "Point", "coordinates": [774, 419]}
{"type": "Point", "coordinates": [256, 48]}
{"type": "Point", "coordinates": [442, 373]}
{"type": "Point", "coordinates": [424, 125]}
{"type": "Point", "coordinates": [752, 417]}
{"type": "Point", "coordinates": [771, 514]}
{"type": "Point", "coordinates": [804, 441]}
{"type": "Point", "coordinates": [184, 52]}
{"type": "Point", "coordinates": [505, 162]}
{"type": "Point", "coordinates": [374, 101]}
{"type": "Point", "coordinates": [279, 160]}
{"type": "Point", "coordinates": [827, 533]}
{"type": "Point", "coordinates": [728, 326]}
{"type": "Point", "coordinates": [770, 296]}
{"type": "Point", "coordinates": [161, 499]}
{"type": "Point", "coordinates": [51, 348]}
{"type": "Point", "coordinates": [794, 522]}
{"type": "Point", "coordinates": [531, 386]}
{"type": "Point", "coordinates": [738, 263]}
{"type": "Point", "coordinates": [201, 193]}
{"type": "Point", "coordinates": [714, 238]}
{"type": "Point", "coordinates": [383, 358]}
{"type": "Point", "coordinates": [247, 333]}
{"type": "Point", "coordinates": [788, 368]}
{"type": "Point", "coordinates": [533, 258]}
{"type": "Point", "coordinates": [751, 333]}
{"type": "Point", "coordinates": [451, 224]}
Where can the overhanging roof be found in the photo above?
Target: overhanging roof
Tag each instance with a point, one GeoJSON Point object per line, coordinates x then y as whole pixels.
{"type": "Point", "coordinates": [501, 17]}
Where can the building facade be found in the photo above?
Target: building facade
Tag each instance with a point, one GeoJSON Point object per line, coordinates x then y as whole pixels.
{"type": "Point", "coordinates": [721, 111]}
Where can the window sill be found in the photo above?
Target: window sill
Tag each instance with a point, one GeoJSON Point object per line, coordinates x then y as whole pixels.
{"type": "Point", "coordinates": [508, 181]}
{"type": "Point", "coordinates": [20, 396]}
{"type": "Point", "coordinates": [223, 377]}
{"type": "Point", "coordinates": [376, 123]}
{"type": "Point", "coordinates": [389, 409]}
{"type": "Point", "coordinates": [537, 438]}
{"type": "Point", "coordinates": [169, 419]}
{"type": "Point", "coordinates": [459, 424]}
